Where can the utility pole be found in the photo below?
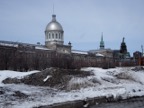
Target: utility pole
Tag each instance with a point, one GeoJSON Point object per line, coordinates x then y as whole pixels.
{"type": "Point", "coordinates": [142, 49]}
{"type": "Point", "coordinates": [142, 60]}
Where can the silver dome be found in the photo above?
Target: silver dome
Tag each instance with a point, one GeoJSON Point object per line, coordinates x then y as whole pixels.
{"type": "Point", "coordinates": [54, 25]}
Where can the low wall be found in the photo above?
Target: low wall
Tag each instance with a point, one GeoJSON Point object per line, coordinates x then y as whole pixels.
{"type": "Point", "coordinates": [79, 103]}
{"type": "Point", "coordinates": [91, 101]}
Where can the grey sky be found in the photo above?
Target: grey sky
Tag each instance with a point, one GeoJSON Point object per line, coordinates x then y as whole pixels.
{"type": "Point", "coordinates": [83, 21]}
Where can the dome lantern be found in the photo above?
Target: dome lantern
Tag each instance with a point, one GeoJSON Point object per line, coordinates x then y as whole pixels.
{"type": "Point", "coordinates": [53, 17]}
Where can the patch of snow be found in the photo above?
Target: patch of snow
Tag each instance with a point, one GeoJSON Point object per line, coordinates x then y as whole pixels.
{"type": "Point", "coordinates": [78, 82]}
{"type": "Point", "coordinates": [8, 44]}
{"type": "Point", "coordinates": [46, 78]}
{"type": "Point", "coordinates": [99, 55]}
{"type": "Point", "coordinates": [86, 105]}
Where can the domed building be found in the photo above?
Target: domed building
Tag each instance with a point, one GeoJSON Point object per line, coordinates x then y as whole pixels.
{"type": "Point", "coordinates": [54, 32]}
{"type": "Point", "coordinates": [54, 37]}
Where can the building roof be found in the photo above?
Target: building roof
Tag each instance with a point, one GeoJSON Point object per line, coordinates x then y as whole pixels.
{"type": "Point", "coordinates": [100, 50]}
{"type": "Point", "coordinates": [80, 52]}
{"type": "Point", "coordinates": [54, 25]}
{"type": "Point", "coordinates": [16, 44]}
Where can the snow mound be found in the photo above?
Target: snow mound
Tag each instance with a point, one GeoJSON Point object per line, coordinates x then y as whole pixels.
{"type": "Point", "coordinates": [53, 77]}
{"type": "Point", "coordinates": [14, 74]}
{"type": "Point", "coordinates": [132, 75]}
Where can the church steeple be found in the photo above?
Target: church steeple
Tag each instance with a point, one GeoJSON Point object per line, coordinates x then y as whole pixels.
{"type": "Point", "coordinates": [102, 42]}
{"type": "Point", "coordinates": [123, 48]}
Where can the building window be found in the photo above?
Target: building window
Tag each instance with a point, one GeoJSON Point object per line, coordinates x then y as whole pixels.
{"type": "Point", "coordinates": [49, 35]}
{"type": "Point", "coordinates": [52, 35]}
{"type": "Point", "coordinates": [59, 35]}
{"type": "Point", "coordinates": [56, 36]}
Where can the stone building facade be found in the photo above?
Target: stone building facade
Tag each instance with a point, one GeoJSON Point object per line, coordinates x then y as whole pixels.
{"type": "Point", "coordinates": [23, 57]}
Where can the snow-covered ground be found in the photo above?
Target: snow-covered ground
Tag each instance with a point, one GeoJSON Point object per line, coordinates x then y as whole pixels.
{"type": "Point", "coordinates": [105, 82]}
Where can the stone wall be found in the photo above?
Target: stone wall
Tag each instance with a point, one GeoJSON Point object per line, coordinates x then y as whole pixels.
{"type": "Point", "coordinates": [24, 58]}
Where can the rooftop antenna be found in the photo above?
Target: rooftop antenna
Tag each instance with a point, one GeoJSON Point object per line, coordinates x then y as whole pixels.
{"type": "Point", "coordinates": [102, 36]}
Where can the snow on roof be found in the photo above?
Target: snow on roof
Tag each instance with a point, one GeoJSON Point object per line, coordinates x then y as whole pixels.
{"type": "Point", "coordinates": [41, 48]}
{"type": "Point", "coordinates": [80, 52]}
{"type": "Point", "coordinates": [99, 55]}
{"type": "Point", "coordinates": [9, 44]}
{"type": "Point", "coordinates": [100, 50]}
{"type": "Point", "coordinates": [15, 44]}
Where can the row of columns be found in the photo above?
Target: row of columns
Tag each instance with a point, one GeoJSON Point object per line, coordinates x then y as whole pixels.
{"type": "Point", "coordinates": [54, 35]}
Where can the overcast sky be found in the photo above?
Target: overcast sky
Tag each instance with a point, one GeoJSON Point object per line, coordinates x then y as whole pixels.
{"type": "Point", "coordinates": [83, 22]}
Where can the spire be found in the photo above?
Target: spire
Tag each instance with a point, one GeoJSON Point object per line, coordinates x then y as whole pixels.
{"type": "Point", "coordinates": [102, 36]}
{"type": "Point", "coordinates": [53, 8]}
{"type": "Point", "coordinates": [102, 42]}
{"type": "Point", "coordinates": [53, 15]}
{"type": "Point", "coordinates": [123, 48]}
{"type": "Point", "coordinates": [123, 40]}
